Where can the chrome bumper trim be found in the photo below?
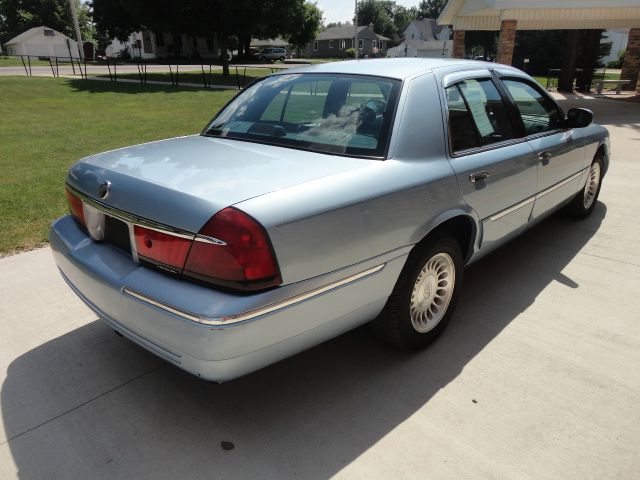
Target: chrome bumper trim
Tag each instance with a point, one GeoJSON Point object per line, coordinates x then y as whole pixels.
{"type": "Point", "coordinates": [239, 317]}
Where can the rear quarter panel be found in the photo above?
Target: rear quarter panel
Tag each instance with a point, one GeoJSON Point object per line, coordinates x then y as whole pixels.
{"type": "Point", "coordinates": [341, 220]}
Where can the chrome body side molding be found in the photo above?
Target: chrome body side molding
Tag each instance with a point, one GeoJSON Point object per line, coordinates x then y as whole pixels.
{"type": "Point", "coordinates": [248, 315]}
{"type": "Point", "coordinates": [533, 198]}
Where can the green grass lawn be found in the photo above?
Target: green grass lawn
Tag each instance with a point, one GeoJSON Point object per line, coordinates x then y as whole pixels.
{"type": "Point", "coordinates": [48, 123]}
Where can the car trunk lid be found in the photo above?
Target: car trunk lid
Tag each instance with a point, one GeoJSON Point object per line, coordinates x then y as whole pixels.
{"type": "Point", "coordinates": [182, 182]}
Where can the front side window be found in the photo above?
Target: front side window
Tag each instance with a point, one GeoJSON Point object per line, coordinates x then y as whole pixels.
{"type": "Point", "coordinates": [347, 114]}
{"type": "Point", "coordinates": [477, 115]}
{"type": "Point", "coordinates": [539, 114]}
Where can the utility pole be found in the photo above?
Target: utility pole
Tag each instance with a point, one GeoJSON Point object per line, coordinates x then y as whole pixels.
{"type": "Point", "coordinates": [76, 25]}
{"type": "Point", "coordinates": [355, 41]}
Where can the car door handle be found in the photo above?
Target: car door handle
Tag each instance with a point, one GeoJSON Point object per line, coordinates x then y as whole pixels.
{"type": "Point", "coordinates": [544, 157]}
{"type": "Point", "coordinates": [475, 176]}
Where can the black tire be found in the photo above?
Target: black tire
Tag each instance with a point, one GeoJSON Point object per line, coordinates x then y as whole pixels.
{"type": "Point", "coordinates": [394, 324]}
{"type": "Point", "coordinates": [576, 208]}
{"type": "Point", "coordinates": [282, 59]}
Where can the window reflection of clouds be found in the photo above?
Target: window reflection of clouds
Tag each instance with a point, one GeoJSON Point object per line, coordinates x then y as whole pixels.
{"type": "Point", "coordinates": [291, 110]}
{"type": "Point", "coordinates": [239, 107]}
{"type": "Point", "coordinates": [342, 125]}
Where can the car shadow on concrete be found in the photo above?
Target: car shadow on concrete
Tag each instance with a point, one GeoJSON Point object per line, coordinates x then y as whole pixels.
{"type": "Point", "coordinates": [92, 405]}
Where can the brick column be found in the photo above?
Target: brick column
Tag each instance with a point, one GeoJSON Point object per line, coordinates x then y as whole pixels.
{"type": "Point", "coordinates": [458, 44]}
{"type": "Point", "coordinates": [507, 41]}
{"type": "Point", "coordinates": [631, 64]}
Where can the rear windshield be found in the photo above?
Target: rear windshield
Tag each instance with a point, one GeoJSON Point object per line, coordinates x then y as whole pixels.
{"type": "Point", "coordinates": [345, 114]}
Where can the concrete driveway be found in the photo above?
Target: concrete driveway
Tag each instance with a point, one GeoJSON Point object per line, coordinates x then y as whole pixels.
{"type": "Point", "coordinates": [537, 377]}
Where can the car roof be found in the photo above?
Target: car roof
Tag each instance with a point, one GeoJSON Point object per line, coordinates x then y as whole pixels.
{"type": "Point", "coordinates": [399, 68]}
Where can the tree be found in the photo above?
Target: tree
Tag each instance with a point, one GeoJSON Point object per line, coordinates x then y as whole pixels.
{"type": "Point", "coordinates": [246, 19]}
{"type": "Point", "coordinates": [388, 18]}
{"type": "Point", "coordinates": [430, 8]}
{"type": "Point", "coordinates": [308, 19]}
{"type": "Point", "coordinates": [17, 16]}
{"type": "Point", "coordinates": [113, 20]}
{"type": "Point", "coordinates": [232, 22]}
{"type": "Point", "coordinates": [402, 17]}
{"type": "Point", "coordinates": [380, 13]}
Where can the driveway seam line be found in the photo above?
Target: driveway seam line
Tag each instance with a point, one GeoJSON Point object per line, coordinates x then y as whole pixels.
{"type": "Point", "coordinates": [82, 404]}
{"type": "Point", "coordinates": [611, 259]}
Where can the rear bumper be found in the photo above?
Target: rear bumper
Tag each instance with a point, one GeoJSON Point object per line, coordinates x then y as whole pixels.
{"type": "Point", "coordinates": [218, 335]}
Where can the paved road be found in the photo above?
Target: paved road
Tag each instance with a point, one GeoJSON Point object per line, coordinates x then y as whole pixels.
{"type": "Point", "coordinates": [67, 69]}
{"type": "Point", "coordinates": [537, 377]}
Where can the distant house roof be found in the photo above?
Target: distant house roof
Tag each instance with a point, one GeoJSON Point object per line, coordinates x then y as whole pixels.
{"type": "Point", "coordinates": [336, 33]}
{"type": "Point", "coordinates": [428, 27]}
{"type": "Point", "coordinates": [345, 31]}
{"type": "Point", "coordinates": [27, 34]}
{"type": "Point", "coordinates": [268, 42]}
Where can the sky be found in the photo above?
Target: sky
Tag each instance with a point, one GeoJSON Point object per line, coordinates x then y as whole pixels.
{"type": "Point", "coordinates": [342, 10]}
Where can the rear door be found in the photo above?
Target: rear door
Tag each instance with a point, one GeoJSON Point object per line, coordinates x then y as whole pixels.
{"type": "Point", "coordinates": [560, 156]}
{"type": "Point", "coordinates": [496, 171]}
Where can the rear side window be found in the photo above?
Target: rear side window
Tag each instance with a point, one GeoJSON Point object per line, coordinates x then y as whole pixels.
{"type": "Point", "coordinates": [539, 114]}
{"type": "Point", "coordinates": [477, 115]}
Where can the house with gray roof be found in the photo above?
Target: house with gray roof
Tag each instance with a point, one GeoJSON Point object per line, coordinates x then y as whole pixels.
{"type": "Point", "coordinates": [334, 41]}
{"type": "Point", "coordinates": [427, 29]}
{"type": "Point", "coordinates": [424, 38]}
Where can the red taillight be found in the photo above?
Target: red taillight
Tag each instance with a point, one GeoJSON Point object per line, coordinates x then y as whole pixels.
{"type": "Point", "coordinates": [75, 208]}
{"type": "Point", "coordinates": [246, 256]}
{"type": "Point", "coordinates": [161, 248]}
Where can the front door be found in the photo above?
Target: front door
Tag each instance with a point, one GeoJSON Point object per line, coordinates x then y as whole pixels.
{"type": "Point", "coordinates": [497, 173]}
{"type": "Point", "coordinates": [560, 156]}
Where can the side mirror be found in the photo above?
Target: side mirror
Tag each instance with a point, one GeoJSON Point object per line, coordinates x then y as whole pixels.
{"type": "Point", "coordinates": [579, 118]}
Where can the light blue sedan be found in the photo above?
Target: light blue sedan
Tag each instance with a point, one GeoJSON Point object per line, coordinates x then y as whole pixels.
{"type": "Point", "coordinates": [318, 200]}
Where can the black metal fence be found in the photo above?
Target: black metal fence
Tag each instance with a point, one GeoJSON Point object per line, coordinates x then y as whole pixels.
{"type": "Point", "coordinates": [207, 69]}
{"type": "Point", "coordinates": [55, 63]}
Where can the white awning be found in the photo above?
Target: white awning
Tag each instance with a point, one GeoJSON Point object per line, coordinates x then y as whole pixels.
{"type": "Point", "coordinates": [541, 14]}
